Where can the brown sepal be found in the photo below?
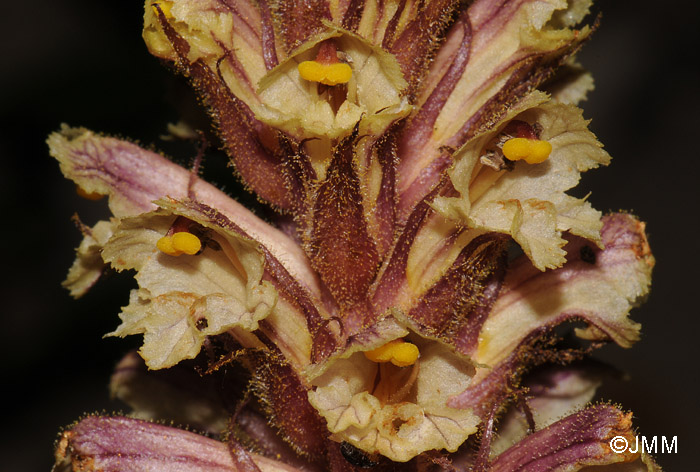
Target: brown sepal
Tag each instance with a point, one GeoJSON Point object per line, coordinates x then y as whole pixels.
{"type": "Point", "coordinates": [415, 45]}
{"type": "Point", "coordinates": [259, 166]}
{"type": "Point", "coordinates": [300, 19]}
{"type": "Point", "coordinates": [283, 396]}
{"type": "Point", "coordinates": [457, 305]}
{"type": "Point", "coordinates": [340, 246]}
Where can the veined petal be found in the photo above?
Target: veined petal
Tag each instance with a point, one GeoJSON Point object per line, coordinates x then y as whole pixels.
{"type": "Point", "coordinates": [443, 278]}
{"type": "Point", "coordinates": [360, 410]}
{"type": "Point", "coordinates": [214, 29]}
{"type": "Point", "coordinates": [411, 32]}
{"type": "Point", "coordinates": [529, 202]}
{"type": "Point", "coordinates": [183, 299]}
{"type": "Point", "coordinates": [116, 444]}
{"type": "Point", "coordinates": [570, 84]}
{"type": "Point", "coordinates": [227, 84]}
{"type": "Point", "coordinates": [553, 393]}
{"type": "Point", "coordinates": [134, 178]}
{"type": "Point", "coordinates": [511, 47]}
{"type": "Point", "coordinates": [447, 282]}
{"type": "Point", "coordinates": [391, 287]}
{"type": "Point", "coordinates": [88, 265]}
{"type": "Point", "coordinates": [597, 286]}
{"type": "Point", "coordinates": [579, 440]}
{"type": "Point", "coordinates": [373, 96]}
{"type": "Point", "coordinates": [454, 308]}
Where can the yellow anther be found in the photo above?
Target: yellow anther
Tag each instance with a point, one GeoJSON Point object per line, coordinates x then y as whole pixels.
{"type": "Point", "coordinates": [380, 354]}
{"type": "Point", "coordinates": [327, 74]}
{"type": "Point", "coordinates": [87, 195]}
{"type": "Point", "coordinates": [398, 352]}
{"type": "Point", "coordinates": [179, 243]}
{"type": "Point", "coordinates": [187, 243]}
{"type": "Point", "coordinates": [165, 6]}
{"type": "Point", "coordinates": [533, 151]}
{"type": "Point", "coordinates": [165, 244]}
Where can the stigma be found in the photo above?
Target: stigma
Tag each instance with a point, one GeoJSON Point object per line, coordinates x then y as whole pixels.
{"type": "Point", "coordinates": [179, 243]}
{"type": "Point", "coordinates": [165, 6]}
{"type": "Point", "coordinates": [398, 352]}
{"type": "Point", "coordinates": [532, 151]}
{"type": "Point", "coordinates": [326, 68]}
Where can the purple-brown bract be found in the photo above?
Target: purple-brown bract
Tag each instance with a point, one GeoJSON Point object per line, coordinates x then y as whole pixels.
{"type": "Point", "coordinates": [424, 251]}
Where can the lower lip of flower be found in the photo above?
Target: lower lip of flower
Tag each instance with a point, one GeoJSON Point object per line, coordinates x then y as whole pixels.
{"type": "Point", "coordinates": [396, 411]}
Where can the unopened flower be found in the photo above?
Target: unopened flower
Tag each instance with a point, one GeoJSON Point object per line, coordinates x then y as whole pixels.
{"type": "Point", "coordinates": [392, 320]}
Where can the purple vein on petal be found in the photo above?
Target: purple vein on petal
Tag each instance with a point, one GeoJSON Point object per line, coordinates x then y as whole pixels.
{"type": "Point", "coordinates": [353, 15]}
{"type": "Point", "coordinates": [259, 168]}
{"type": "Point", "coordinates": [245, 19]}
{"type": "Point", "coordinates": [490, 386]}
{"type": "Point", "coordinates": [385, 210]}
{"type": "Point", "coordinates": [393, 273]}
{"type": "Point", "coordinates": [300, 19]}
{"type": "Point", "coordinates": [420, 128]}
{"type": "Point", "coordinates": [417, 132]}
{"type": "Point", "coordinates": [117, 444]}
{"type": "Point", "coordinates": [581, 439]}
{"type": "Point", "coordinates": [455, 307]}
{"type": "Point", "coordinates": [324, 340]}
{"type": "Point", "coordinates": [268, 36]}
{"type": "Point", "coordinates": [414, 46]}
{"type": "Point", "coordinates": [390, 30]}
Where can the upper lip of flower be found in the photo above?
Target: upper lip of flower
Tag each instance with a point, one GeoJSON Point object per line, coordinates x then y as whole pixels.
{"type": "Point", "coordinates": [402, 227]}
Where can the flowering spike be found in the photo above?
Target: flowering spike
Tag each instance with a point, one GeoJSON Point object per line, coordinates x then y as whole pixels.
{"type": "Point", "coordinates": [398, 202]}
{"type": "Point", "coordinates": [533, 151]}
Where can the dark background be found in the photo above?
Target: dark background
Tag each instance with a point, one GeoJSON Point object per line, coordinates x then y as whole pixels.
{"type": "Point", "coordinates": [83, 62]}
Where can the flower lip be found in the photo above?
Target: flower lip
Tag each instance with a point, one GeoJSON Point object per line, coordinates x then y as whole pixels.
{"type": "Point", "coordinates": [398, 412]}
{"type": "Point", "coordinates": [292, 101]}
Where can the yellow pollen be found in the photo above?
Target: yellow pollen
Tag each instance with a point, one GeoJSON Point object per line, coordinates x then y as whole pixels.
{"type": "Point", "coordinates": [179, 243]}
{"type": "Point", "coordinates": [398, 352]}
{"type": "Point", "coordinates": [87, 195]}
{"type": "Point", "coordinates": [327, 74]}
{"type": "Point", "coordinates": [165, 244]}
{"type": "Point", "coordinates": [533, 151]}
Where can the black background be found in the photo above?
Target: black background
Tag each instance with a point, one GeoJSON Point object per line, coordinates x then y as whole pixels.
{"type": "Point", "coordinates": [83, 62]}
